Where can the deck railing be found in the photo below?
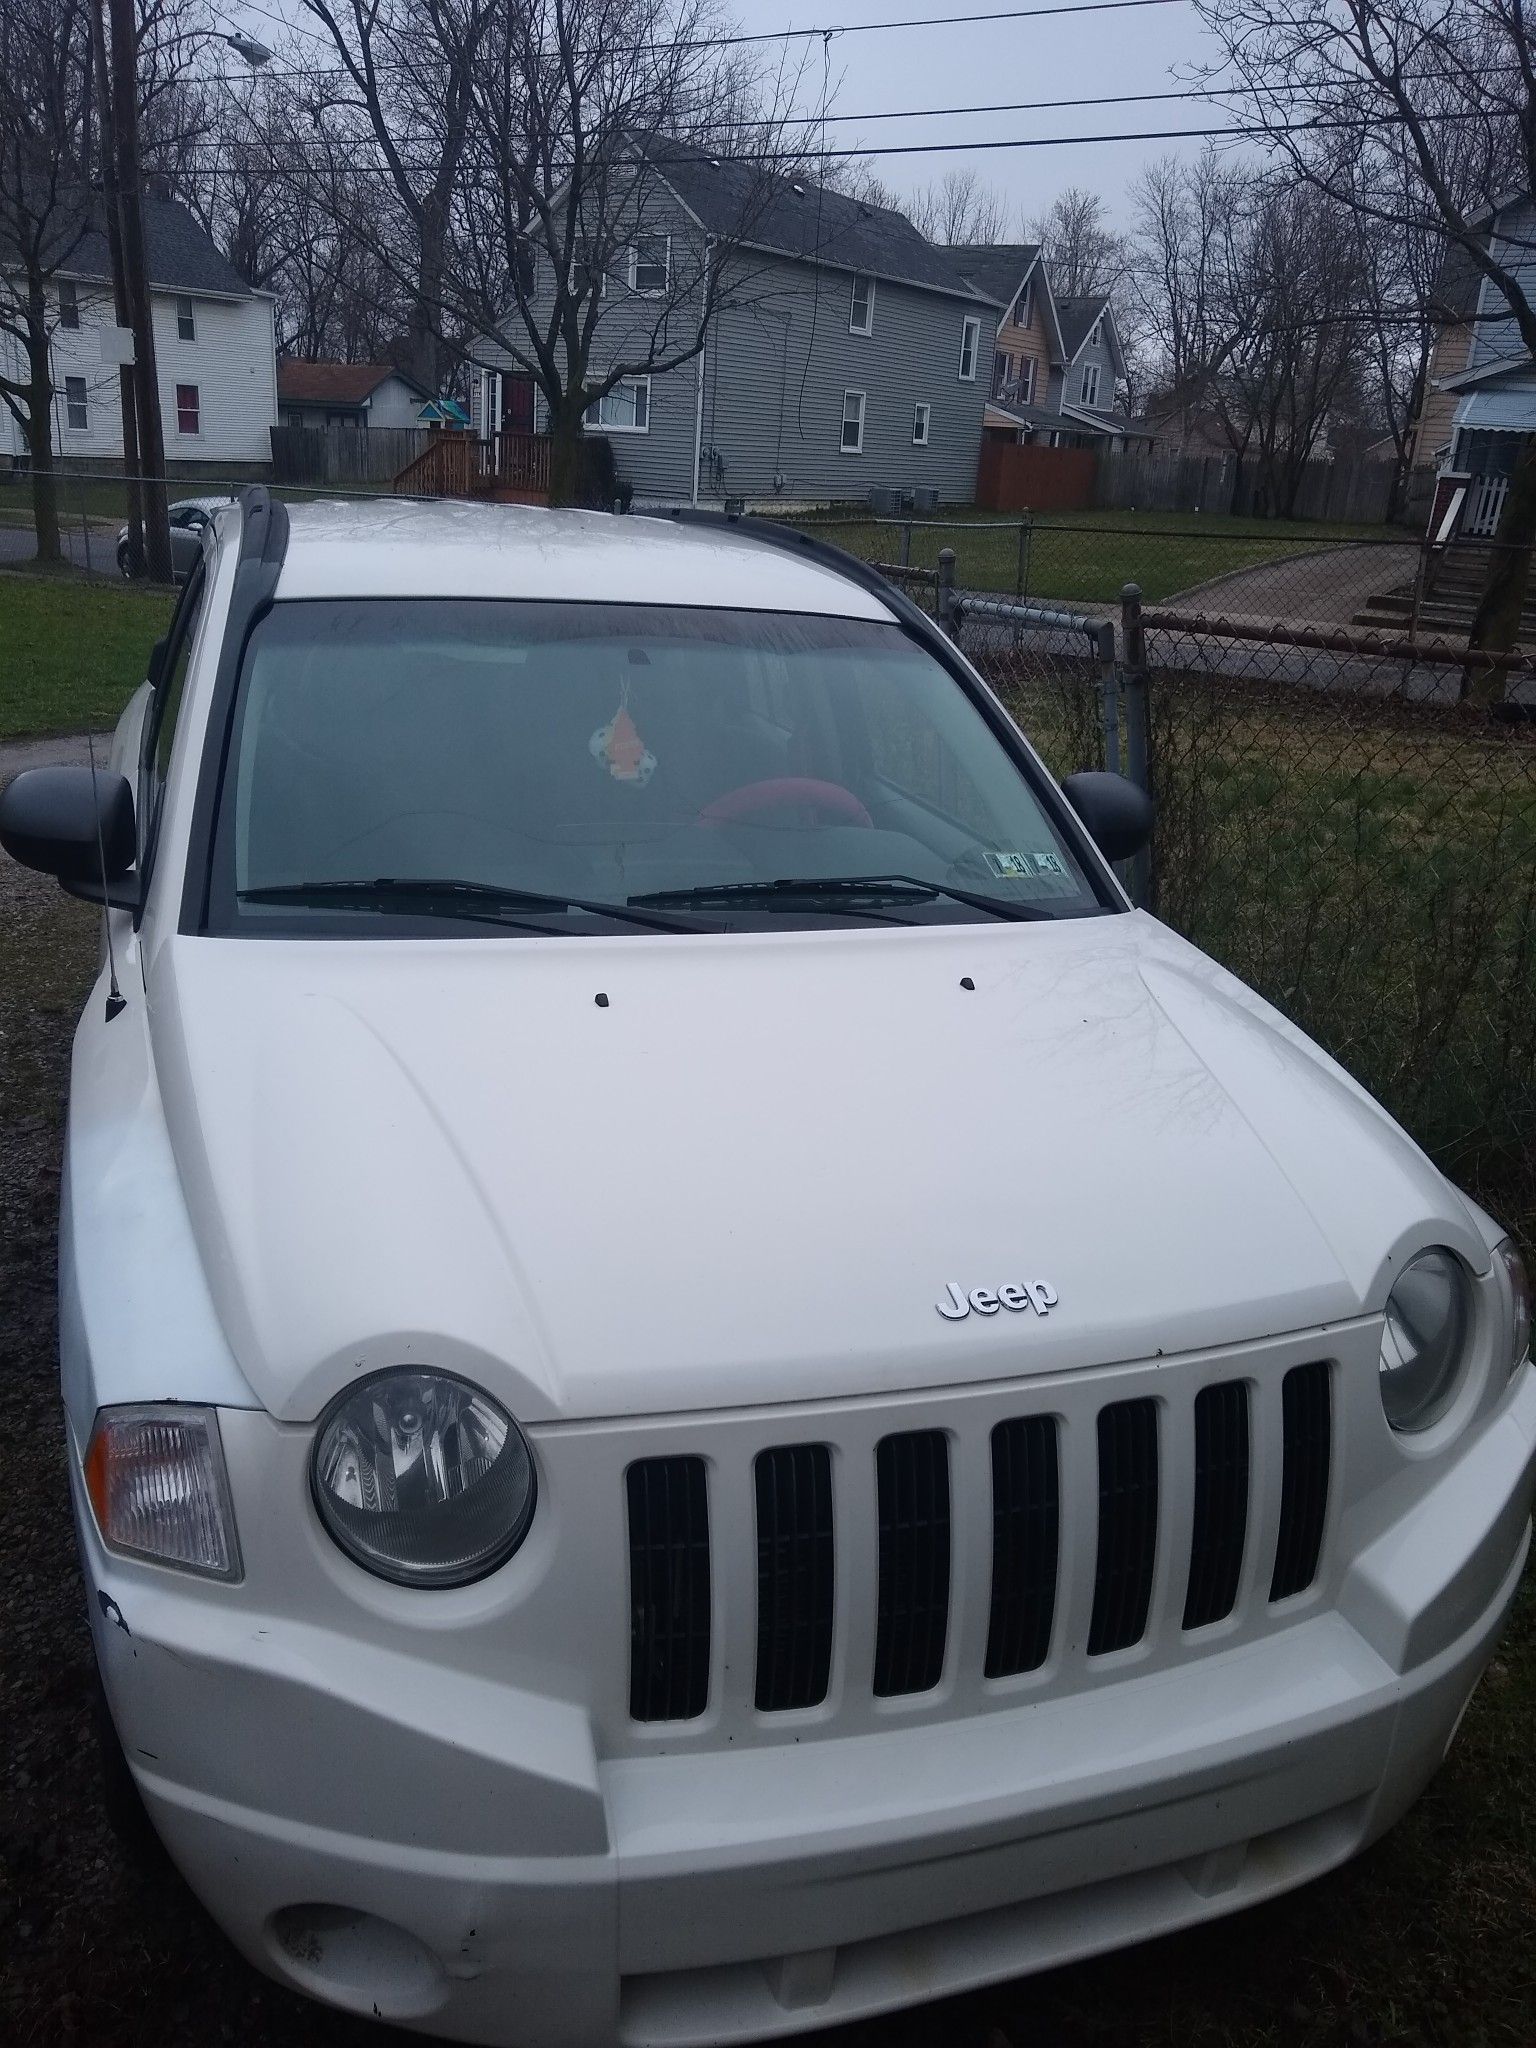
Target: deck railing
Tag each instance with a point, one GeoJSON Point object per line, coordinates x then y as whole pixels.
{"type": "Point", "coordinates": [462, 466]}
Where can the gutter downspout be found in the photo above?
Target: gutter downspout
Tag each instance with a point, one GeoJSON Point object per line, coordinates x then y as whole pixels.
{"type": "Point", "coordinates": [698, 408]}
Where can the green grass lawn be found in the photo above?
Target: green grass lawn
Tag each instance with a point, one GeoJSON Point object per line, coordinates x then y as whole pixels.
{"type": "Point", "coordinates": [1089, 557]}
{"type": "Point", "coordinates": [72, 650]}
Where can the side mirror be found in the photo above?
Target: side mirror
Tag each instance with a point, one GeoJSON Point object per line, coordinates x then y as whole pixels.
{"type": "Point", "coordinates": [76, 825]}
{"type": "Point", "coordinates": [1117, 814]}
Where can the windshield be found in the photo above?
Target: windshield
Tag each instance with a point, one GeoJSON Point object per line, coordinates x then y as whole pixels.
{"type": "Point", "coordinates": [745, 769]}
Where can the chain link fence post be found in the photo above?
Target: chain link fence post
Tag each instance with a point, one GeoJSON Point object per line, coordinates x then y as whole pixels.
{"type": "Point", "coordinates": [1021, 573]}
{"type": "Point", "coordinates": [905, 556]}
{"type": "Point", "coordinates": [945, 607]}
{"type": "Point", "coordinates": [85, 522]}
{"type": "Point", "coordinates": [1138, 743]}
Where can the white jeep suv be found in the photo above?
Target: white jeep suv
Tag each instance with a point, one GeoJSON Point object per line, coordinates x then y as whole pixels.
{"type": "Point", "coordinates": [709, 1389]}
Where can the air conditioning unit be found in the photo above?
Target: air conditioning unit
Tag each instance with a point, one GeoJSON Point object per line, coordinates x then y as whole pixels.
{"type": "Point", "coordinates": [925, 498]}
{"type": "Point", "coordinates": [884, 502]}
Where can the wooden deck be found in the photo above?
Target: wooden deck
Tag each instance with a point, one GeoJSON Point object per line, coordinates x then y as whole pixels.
{"type": "Point", "coordinates": [507, 469]}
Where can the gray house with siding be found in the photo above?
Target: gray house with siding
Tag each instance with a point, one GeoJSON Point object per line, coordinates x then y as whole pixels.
{"type": "Point", "coordinates": [845, 354]}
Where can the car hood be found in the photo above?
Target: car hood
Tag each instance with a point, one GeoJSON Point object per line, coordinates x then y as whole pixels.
{"type": "Point", "coordinates": [751, 1173]}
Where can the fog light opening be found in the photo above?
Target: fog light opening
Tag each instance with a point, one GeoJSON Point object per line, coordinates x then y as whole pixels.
{"type": "Point", "coordinates": [358, 1960]}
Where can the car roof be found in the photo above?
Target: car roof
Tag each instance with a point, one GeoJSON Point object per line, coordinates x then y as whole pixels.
{"type": "Point", "coordinates": [404, 547]}
{"type": "Point", "coordinates": [212, 504]}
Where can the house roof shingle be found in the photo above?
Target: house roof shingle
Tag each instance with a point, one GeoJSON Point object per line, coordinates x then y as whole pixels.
{"type": "Point", "coordinates": [1076, 317]}
{"type": "Point", "coordinates": [996, 268]}
{"type": "Point", "coordinates": [182, 255]}
{"type": "Point", "coordinates": [801, 219]}
{"type": "Point", "coordinates": [301, 383]}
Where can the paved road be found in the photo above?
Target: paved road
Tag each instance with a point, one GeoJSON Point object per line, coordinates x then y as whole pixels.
{"type": "Point", "coordinates": [18, 545]}
{"type": "Point", "coordinates": [64, 750]}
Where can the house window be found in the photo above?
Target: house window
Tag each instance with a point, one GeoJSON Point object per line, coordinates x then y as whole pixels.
{"type": "Point", "coordinates": [921, 415]}
{"type": "Point", "coordinates": [1002, 372]}
{"type": "Point", "coordinates": [861, 306]}
{"type": "Point", "coordinates": [186, 320]}
{"type": "Point", "coordinates": [1096, 332]}
{"type": "Point", "coordinates": [294, 419]}
{"type": "Point", "coordinates": [188, 410]}
{"type": "Point", "coordinates": [650, 266]}
{"type": "Point", "coordinates": [970, 343]}
{"type": "Point", "coordinates": [853, 423]}
{"type": "Point", "coordinates": [77, 410]}
{"type": "Point", "coordinates": [1024, 310]}
{"type": "Point", "coordinates": [1090, 384]}
{"type": "Point", "coordinates": [1027, 381]}
{"type": "Point", "coordinates": [69, 303]}
{"type": "Point", "coordinates": [626, 409]}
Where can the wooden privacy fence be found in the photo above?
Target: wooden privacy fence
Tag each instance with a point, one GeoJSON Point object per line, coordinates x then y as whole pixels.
{"type": "Point", "coordinates": [1030, 477]}
{"type": "Point", "coordinates": [1026, 477]}
{"type": "Point", "coordinates": [345, 455]}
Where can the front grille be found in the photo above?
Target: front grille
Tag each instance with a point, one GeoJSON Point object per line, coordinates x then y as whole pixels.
{"type": "Point", "coordinates": [794, 1576]}
{"type": "Point", "coordinates": [1147, 1480]}
{"type": "Point", "coordinates": [1307, 1430]}
{"type": "Point", "coordinates": [1127, 1553]}
{"type": "Point", "coordinates": [1221, 1503]}
{"type": "Point", "coordinates": [1026, 1534]}
{"type": "Point", "coordinates": [668, 1589]}
{"type": "Point", "coordinates": [912, 1615]}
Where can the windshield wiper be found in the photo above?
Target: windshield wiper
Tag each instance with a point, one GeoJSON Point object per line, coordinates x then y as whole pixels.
{"type": "Point", "coordinates": [483, 902]}
{"type": "Point", "coordinates": [805, 888]}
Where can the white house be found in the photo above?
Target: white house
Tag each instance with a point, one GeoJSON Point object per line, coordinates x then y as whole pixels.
{"type": "Point", "coordinates": [215, 351]}
{"type": "Point", "coordinates": [348, 395]}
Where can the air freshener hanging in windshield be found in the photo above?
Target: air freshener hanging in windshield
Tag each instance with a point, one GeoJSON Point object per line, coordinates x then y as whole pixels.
{"type": "Point", "coordinates": [621, 750]}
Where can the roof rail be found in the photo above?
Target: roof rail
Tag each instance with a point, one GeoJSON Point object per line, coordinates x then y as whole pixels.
{"type": "Point", "coordinates": [790, 540]}
{"type": "Point", "coordinates": [263, 526]}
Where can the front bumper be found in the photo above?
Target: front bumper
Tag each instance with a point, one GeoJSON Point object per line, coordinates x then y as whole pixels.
{"type": "Point", "coordinates": [486, 1860]}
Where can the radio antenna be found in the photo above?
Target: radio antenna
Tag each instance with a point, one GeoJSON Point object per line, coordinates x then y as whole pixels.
{"type": "Point", "coordinates": [116, 1003]}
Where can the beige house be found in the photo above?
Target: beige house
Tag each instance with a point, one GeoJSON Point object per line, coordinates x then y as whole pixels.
{"type": "Point", "coordinates": [1455, 298]}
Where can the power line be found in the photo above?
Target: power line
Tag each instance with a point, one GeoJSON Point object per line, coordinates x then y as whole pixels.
{"type": "Point", "coordinates": [792, 157]}
{"type": "Point", "coordinates": [827, 33]}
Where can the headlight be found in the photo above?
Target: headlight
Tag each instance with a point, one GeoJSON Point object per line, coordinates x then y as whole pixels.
{"type": "Point", "coordinates": [1518, 1281]}
{"type": "Point", "coordinates": [422, 1478]}
{"type": "Point", "coordinates": [1424, 1344]}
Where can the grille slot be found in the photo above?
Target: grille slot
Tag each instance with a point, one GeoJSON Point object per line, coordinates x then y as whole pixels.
{"type": "Point", "coordinates": [1122, 1586]}
{"type": "Point", "coordinates": [668, 1589]}
{"type": "Point", "coordinates": [1307, 1428]}
{"type": "Point", "coordinates": [794, 1576]}
{"type": "Point", "coordinates": [1026, 1533]}
{"type": "Point", "coordinates": [1221, 1503]}
{"type": "Point", "coordinates": [912, 1477]}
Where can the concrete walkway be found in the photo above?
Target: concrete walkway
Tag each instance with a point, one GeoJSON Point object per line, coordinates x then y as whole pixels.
{"type": "Point", "coordinates": [62, 750]}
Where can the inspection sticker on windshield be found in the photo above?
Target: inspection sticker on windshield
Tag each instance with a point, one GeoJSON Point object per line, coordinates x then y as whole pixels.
{"type": "Point", "coordinates": [1005, 864]}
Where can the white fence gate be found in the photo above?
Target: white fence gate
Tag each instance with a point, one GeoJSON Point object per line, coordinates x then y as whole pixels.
{"type": "Point", "coordinates": [1485, 502]}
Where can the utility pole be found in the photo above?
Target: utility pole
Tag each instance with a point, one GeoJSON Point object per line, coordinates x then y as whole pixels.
{"type": "Point", "coordinates": [111, 205]}
{"type": "Point", "coordinates": [135, 285]}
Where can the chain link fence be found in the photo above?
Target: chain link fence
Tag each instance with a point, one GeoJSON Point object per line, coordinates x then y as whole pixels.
{"type": "Point", "coordinates": [1337, 821]}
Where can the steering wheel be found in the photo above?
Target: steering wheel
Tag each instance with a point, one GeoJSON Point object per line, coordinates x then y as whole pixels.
{"type": "Point", "coordinates": [836, 804]}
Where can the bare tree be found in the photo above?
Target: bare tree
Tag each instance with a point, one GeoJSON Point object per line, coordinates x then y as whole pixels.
{"type": "Point", "coordinates": [582, 110]}
{"type": "Point", "coordinates": [1417, 114]}
{"type": "Point", "coordinates": [45, 100]}
{"type": "Point", "coordinates": [959, 209]}
{"type": "Point", "coordinates": [409, 75]}
{"type": "Point", "coordinates": [1087, 257]}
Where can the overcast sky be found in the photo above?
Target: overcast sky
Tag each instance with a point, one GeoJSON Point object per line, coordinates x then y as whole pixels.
{"type": "Point", "coordinates": [1069, 56]}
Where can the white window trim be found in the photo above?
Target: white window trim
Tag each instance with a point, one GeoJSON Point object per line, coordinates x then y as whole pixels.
{"type": "Point", "coordinates": [191, 305]}
{"type": "Point", "coordinates": [189, 433]}
{"type": "Point", "coordinates": [861, 277]}
{"type": "Point", "coordinates": [1027, 394]}
{"type": "Point", "coordinates": [632, 272]}
{"type": "Point", "coordinates": [863, 398]}
{"type": "Point", "coordinates": [1089, 370]}
{"type": "Point", "coordinates": [600, 426]}
{"type": "Point", "coordinates": [1096, 333]}
{"type": "Point", "coordinates": [922, 415]}
{"type": "Point", "coordinates": [85, 425]}
{"type": "Point", "coordinates": [970, 345]}
{"type": "Point", "coordinates": [67, 284]}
